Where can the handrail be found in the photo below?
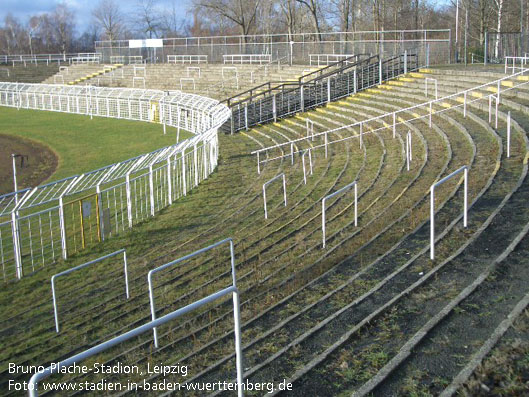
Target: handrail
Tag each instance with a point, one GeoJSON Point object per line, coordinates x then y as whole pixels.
{"type": "Point", "coordinates": [297, 83]}
{"type": "Point", "coordinates": [406, 110]}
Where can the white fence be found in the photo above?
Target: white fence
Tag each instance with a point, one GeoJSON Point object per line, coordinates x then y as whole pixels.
{"type": "Point", "coordinates": [326, 59]}
{"type": "Point", "coordinates": [187, 59]}
{"type": "Point", "coordinates": [42, 224]}
{"type": "Point", "coordinates": [247, 58]}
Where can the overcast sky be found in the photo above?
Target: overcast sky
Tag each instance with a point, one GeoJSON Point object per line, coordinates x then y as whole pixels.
{"type": "Point", "coordinates": [22, 9]}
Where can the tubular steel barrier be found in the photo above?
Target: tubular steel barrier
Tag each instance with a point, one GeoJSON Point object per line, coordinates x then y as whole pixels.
{"type": "Point", "coordinates": [432, 205]}
{"type": "Point", "coordinates": [352, 184]}
{"type": "Point", "coordinates": [55, 368]}
{"type": "Point", "coordinates": [514, 61]}
{"type": "Point", "coordinates": [44, 224]}
{"type": "Point", "coordinates": [310, 164]}
{"type": "Point", "coordinates": [187, 59]}
{"type": "Point", "coordinates": [284, 191]}
{"type": "Point", "coordinates": [247, 58]}
{"type": "Point", "coordinates": [273, 100]}
{"type": "Point", "coordinates": [393, 119]}
{"type": "Point", "coordinates": [54, 277]}
{"type": "Point", "coordinates": [434, 81]}
{"type": "Point", "coordinates": [408, 150]}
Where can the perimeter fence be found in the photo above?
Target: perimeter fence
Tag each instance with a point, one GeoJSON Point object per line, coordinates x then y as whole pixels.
{"type": "Point", "coordinates": [42, 224]}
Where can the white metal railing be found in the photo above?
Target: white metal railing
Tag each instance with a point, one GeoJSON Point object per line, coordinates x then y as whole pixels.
{"type": "Point", "coordinates": [309, 152]}
{"type": "Point", "coordinates": [73, 269]}
{"type": "Point", "coordinates": [136, 60]}
{"type": "Point", "coordinates": [247, 58]}
{"type": "Point", "coordinates": [323, 207]}
{"type": "Point", "coordinates": [33, 228]}
{"type": "Point", "coordinates": [193, 69]}
{"type": "Point", "coordinates": [434, 81]}
{"type": "Point", "coordinates": [232, 290]}
{"type": "Point", "coordinates": [391, 120]}
{"type": "Point", "coordinates": [512, 63]}
{"type": "Point", "coordinates": [188, 80]}
{"type": "Point", "coordinates": [282, 175]}
{"type": "Point", "coordinates": [86, 58]}
{"type": "Point", "coordinates": [187, 59]}
{"type": "Point", "coordinates": [117, 59]}
{"type": "Point", "coordinates": [463, 169]}
{"type": "Point", "coordinates": [326, 59]}
{"type": "Point", "coordinates": [409, 154]}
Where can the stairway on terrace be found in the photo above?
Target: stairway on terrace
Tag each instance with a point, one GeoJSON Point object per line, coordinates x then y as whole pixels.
{"type": "Point", "coordinates": [217, 81]}
{"type": "Point", "coordinates": [80, 73]}
{"type": "Point", "coordinates": [31, 73]}
{"type": "Point", "coordinates": [326, 320]}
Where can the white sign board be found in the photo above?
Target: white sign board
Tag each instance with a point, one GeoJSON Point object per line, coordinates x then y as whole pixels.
{"type": "Point", "coordinates": [145, 43]}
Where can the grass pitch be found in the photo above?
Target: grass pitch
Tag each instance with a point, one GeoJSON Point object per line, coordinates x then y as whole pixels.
{"type": "Point", "coordinates": [80, 144]}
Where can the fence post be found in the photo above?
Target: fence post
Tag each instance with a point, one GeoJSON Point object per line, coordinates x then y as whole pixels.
{"type": "Point", "coordinates": [184, 182]}
{"type": "Point", "coordinates": [405, 61]}
{"type": "Point", "coordinates": [509, 134]}
{"type": "Point", "coordinates": [361, 134]}
{"type": "Point", "coordinates": [274, 107]}
{"type": "Point", "coordinates": [16, 243]}
{"type": "Point", "coordinates": [63, 229]}
{"type": "Point", "coordinates": [354, 80]}
{"type": "Point", "coordinates": [301, 99]}
{"type": "Point", "coordinates": [169, 186]}
{"type": "Point", "coordinates": [195, 163]}
{"type": "Point", "coordinates": [380, 70]}
{"type": "Point", "coordinates": [100, 209]}
{"type": "Point", "coordinates": [129, 201]}
{"type": "Point", "coordinates": [329, 90]}
{"type": "Point", "coordinates": [490, 109]}
{"type": "Point", "coordinates": [246, 116]}
{"type": "Point", "coordinates": [496, 115]}
{"type": "Point", "coordinates": [151, 189]}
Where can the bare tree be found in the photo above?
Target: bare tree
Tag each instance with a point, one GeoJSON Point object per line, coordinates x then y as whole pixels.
{"type": "Point", "coordinates": [148, 18]}
{"type": "Point", "coordinates": [288, 7]}
{"type": "Point", "coordinates": [242, 13]}
{"type": "Point", "coordinates": [314, 9]}
{"type": "Point", "coordinates": [63, 22]}
{"type": "Point", "coordinates": [108, 16]}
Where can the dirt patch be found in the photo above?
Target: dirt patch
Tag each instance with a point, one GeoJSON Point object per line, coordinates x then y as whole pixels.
{"type": "Point", "coordinates": [41, 162]}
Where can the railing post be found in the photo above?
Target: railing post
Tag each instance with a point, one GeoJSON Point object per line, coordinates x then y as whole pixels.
{"type": "Point", "coordinates": [16, 243]}
{"type": "Point", "coordinates": [274, 107]}
{"type": "Point", "coordinates": [195, 163]}
{"type": "Point", "coordinates": [490, 109]}
{"type": "Point", "coordinates": [509, 134]}
{"type": "Point", "coordinates": [169, 179]}
{"type": "Point", "coordinates": [361, 135]}
{"type": "Point", "coordinates": [246, 116]}
{"type": "Point", "coordinates": [184, 181]}
{"type": "Point", "coordinates": [326, 143]}
{"type": "Point", "coordinates": [465, 104]}
{"type": "Point", "coordinates": [405, 62]}
{"type": "Point", "coordinates": [151, 189]}
{"type": "Point", "coordinates": [301, 99]}
{"type": "Point", "coordinates": [394, 124]}
{"type": "Point", "coordinates": [292, 153]}
{"type": "Point", "coordinates": [100, 209]}
{"type": "Point", "coordinates": [329, 90]}
{"type": "Point", "coordinates": [354, 81]}
{"type": "Point", "coordinates": [496, 113]}
{"type": "Point", "coordinates": [63, 229]}
{"type": "Point", "coordinates": [380, 70]}
{"type": "Point", "coordinates": [258, 164]}
{"type": "Point", "coordinates": [129, 200]}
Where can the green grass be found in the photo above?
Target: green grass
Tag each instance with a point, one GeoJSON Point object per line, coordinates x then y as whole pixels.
{"type": "Point", "coordinates": [82, 144]}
